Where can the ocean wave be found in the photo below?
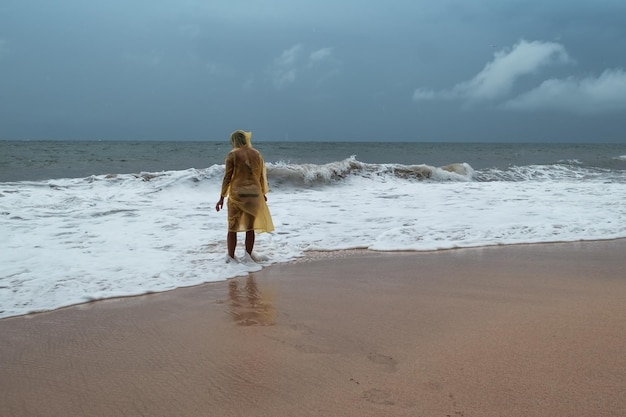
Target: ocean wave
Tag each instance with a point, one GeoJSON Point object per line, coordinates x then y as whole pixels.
{"type": "Point", "coordinates": [155, 231]}
{"type": "Point", "coordinates": [285, 174]}
{"type": "Point", "coordinates": [556, 172]}
{"type": "Point", "coordinates": [312, 174]}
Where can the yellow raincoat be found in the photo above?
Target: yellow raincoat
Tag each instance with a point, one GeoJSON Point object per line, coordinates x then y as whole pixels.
{"type": "Point", "coordinates": [245, 185]}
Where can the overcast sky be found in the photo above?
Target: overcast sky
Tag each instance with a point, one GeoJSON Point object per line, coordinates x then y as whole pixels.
{"type": "Point", "coordinates": [396, 70]}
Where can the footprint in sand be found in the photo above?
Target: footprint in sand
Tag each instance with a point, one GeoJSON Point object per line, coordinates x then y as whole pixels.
{"type": "Point", "coordinates": [302, 328]}
{"type": "Point", "coordinates": [308, 349]}
{"type": "Point", "coordinates": [378, 396]}
{"type": "Point", "coordinates": [388, 363]}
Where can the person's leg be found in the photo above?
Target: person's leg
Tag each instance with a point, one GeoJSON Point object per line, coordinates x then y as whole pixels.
{"type": "Point", "coordinates": [234, 215]}
{"type": "Point", "coordinates": [231, 243]}
{"type": "Point", "coordinates": [250, 241]}
{"type": "Point", "coordinates": [249, 233]}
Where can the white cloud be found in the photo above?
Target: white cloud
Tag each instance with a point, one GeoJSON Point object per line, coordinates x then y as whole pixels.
{"type": "Point", "coordinates": [285, 77]}
{"type": "Point", "coordinates": [422, 94]}
{"type": "Point", "coordinates": [496, 81]}
{"type": "Point", "coordinates": [317, 65]}
{"type": "Point", "coordinates": [320, 55]}
{"type": "Point", "coordinates": [324, 64]}
{"type": "Point", "coordinates": [284, 69]}
{"type": "Point", "coordinates": [289, 56]}
{"type": "Point", "coordinates": [498, 77]}
{"type": "Point", "coordinates": [588, 95]}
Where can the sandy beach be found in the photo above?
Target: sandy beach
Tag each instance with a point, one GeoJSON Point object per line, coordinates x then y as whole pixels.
{"type": "Point", "coordinates": [528, 330]}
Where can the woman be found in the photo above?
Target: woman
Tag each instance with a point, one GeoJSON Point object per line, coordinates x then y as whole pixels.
{"type": "Point", "coordinates": [245, 185]}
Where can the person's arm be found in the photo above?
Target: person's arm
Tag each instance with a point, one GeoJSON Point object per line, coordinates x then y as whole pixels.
{"type": "Point", "coordinates": [228, 175]}
{"type": "Point", "coordinates": [220, 204]}
{"type": "Point", "coordinates": [265, 188]}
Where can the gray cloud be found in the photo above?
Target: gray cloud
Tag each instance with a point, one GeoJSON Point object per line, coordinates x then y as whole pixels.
{"type": "Point", "coordinates": [320, 55]}
{"type": "Point", "coordinates": [357, 69]}
{"type": "Point", "coordinates": [590, 95]}
{"type": "Point", "coordinates": [284, 69]}
{"type": "Point", "coordinates": [297, 60]}
{"type": "Point", "coordinates": [498, 77]}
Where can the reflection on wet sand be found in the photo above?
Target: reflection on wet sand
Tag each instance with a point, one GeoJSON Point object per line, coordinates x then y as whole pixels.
{"type": "Point", "coordinates": [249, 306]}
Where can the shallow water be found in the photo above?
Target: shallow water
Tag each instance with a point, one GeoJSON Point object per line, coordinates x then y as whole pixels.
{"type": "Point", "coordinates": [70, 238]}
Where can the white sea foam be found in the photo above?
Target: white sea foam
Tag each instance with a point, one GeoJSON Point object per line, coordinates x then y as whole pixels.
{"type": "Point", "coordinates": [67, 241]}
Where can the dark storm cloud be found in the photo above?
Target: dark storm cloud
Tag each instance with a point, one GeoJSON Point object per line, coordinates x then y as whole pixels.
{"type": "Point", "coordinates": [350, 70]}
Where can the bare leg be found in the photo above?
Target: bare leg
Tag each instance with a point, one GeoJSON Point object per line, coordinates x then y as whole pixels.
{"type": "Point", "coordinates": [250, 241]}
{"type": "Point", "coordinates": [231, 243]}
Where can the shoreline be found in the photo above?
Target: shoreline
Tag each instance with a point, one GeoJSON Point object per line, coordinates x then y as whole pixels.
{"type": "Point", "coordinates": [306, 258]}
{"type": "Point", "coordinates": [515, 330]}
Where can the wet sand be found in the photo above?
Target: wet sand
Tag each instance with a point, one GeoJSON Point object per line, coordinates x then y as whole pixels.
{"type": "Point", "coordinates": [530, 330]}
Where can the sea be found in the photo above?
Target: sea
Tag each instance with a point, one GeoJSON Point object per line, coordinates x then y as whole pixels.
{"type": "Point", "coordinates": [90, 220]}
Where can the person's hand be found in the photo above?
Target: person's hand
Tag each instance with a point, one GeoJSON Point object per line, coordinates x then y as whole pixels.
{"type": "Point", "coordinates": [220, 204]}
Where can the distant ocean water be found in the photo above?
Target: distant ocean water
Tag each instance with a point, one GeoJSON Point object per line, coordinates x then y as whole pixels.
{"type": "Point", "coordinates": [42, 160]}
{"type": "Point", "coordinates": [89, 220]}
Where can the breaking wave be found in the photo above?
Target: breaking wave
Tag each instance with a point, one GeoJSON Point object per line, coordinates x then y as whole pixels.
{"type": "Point", "coordinates": [284, 174]}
